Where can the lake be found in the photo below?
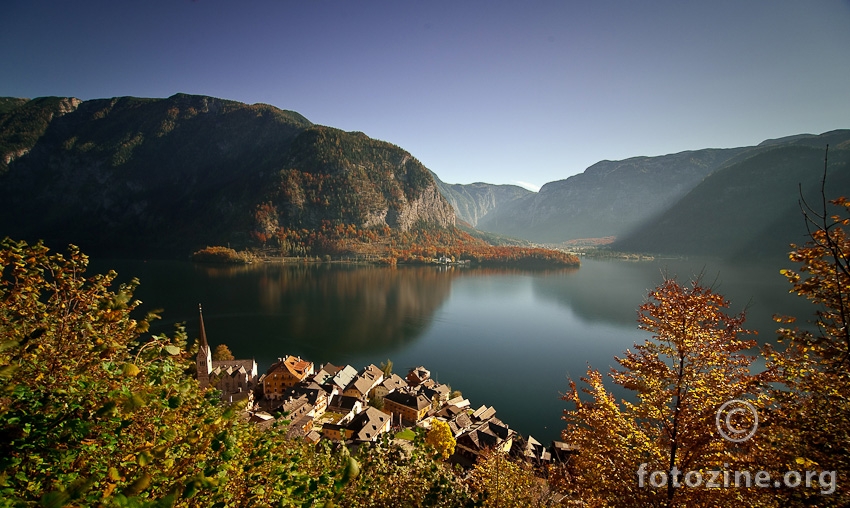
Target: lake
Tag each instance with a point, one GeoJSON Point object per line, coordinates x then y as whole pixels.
{"type": "Point", "coordinates": [506, 338]}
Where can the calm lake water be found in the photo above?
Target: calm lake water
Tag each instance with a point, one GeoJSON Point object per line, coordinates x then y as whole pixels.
{"type": "Point", "coordinates": [506, 338]}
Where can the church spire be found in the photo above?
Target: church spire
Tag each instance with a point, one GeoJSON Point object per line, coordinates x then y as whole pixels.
{"type": "Point", "coordinates": [203, 361]}
{"type": "Point", "coordinates": [202, 334]}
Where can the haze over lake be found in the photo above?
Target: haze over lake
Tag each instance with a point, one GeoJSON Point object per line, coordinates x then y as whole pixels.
{"type": "Point", "coordinates": [506, 338]}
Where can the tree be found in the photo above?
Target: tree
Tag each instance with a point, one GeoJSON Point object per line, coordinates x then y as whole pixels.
{"type": "Point", "coordinates": [387, 368]}
{"type": "Point", "coordinates": [222, 353]}
{"type": "Point", "coordinates": [691, 366]}
{"type": "Point", "coordinates": [497, 481]}
{"type": "Point", "coordinates": [813, 417]}
{"type": "Point", "coordinates": [395, 477]}
{"type": "Point", "coordinates": [94, 413]}
{"type": "Point", "coordinates": [440, 438]}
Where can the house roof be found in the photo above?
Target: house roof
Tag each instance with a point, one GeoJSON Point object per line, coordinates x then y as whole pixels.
{"type": "Point", "coordinates": [344, 377]}
{"type": "Point", "coordinates": [293, 365]}
{"type": "Point", "coordinates": [326, 373]}
{"type": "Point", "coordinates": [418, 374]}
{"type": "Point", "coordinates": [394, 382]}
{"type": "Point", "coordinates": [344, 402]}
{"type": "Point", "coordinates": [362, 384]}
{"type": "Point", "coordinates": [368, 424]}
{"type": "Point", "coordinates": [484, 413]}
{"type": "Point", "coordinates": [486, 435]}
{"type": "Point", "coordinates": [247, 367]}
{"type": "Point", "coordinates": [412, 400]}
{"type": "Point", "coordinates": [458, 401]}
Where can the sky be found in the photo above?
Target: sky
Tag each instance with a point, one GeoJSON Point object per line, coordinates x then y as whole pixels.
{"type": "Point", "coordinates": [506, 92]}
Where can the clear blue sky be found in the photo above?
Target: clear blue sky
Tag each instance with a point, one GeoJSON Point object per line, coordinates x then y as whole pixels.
{"type": "Point", "coordinates": [494, 91]}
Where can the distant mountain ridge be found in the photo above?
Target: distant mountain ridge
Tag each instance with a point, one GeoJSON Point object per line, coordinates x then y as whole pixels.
{"type": "Point", "coordinates": [752, 207]}
{"type": "Point", "coordinates": [608, 199]}
{"type": "Point", "coordinates": [135, 176]}
{"type": "Point", "coordinates": [714, 202]}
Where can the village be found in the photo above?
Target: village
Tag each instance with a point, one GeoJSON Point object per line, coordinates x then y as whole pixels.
{"type": "Point", "coordinates": [357, 406]}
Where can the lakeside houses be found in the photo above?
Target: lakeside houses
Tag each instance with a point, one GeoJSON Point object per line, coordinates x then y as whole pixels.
{"type": "Point", "coordinates": [283, 374]}
{"type": "Point", "coordinates": [366, 426]}
{"type": "Point", "coordinates": [335, 402]}
{"type": "Point", "coordinates": [392, 383]}
{"type": "Point", "coordinates": [366, 381]}
{"type": "Point", "coordinates": [406, 405]}
{"type": "Point", "coordinates": [418, 375]}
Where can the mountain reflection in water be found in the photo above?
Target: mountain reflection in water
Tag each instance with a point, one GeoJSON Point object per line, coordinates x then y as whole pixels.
{"type": "Point", "coordinates": [506, 338]}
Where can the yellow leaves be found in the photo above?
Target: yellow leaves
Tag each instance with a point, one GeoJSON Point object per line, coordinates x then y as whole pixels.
{"type": "Point", "coordinates": [138, 486]}
{"type": "Point", "coordinates": [440, 437]}
{"type": "Point", "coordinates": [130, 370]}
{"type": "Point", "coordinates": [805, 463]}
{"type": "Point", "coordinates": [108, 490]}
{"type": "Point", "coordinates": [133, 402]}
{"type": "Point", "coordinates": [143, 458]}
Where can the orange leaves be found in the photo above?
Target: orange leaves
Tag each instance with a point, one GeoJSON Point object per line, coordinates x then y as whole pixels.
{"type": "Point", "coordinates": [692, 364]}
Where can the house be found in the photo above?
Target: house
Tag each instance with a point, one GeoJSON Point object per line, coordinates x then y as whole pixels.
{"type": "Point", "coordinates": [418, 375]}
{"type": "Point", "coordinates": [294, 408]}
{"type": "Point", "coordinates": [390, 384]}
{"type": "Point", "coordinates": [531, 450]}
{"type": "Point", "coordinates": [408, 405]}
{"type": "Point", "coordinates": [346, 407]}
{"type": "Point", "coordinates": [284, 374]}
{"type": "Point", "coordinates": [300, 427]}
{"type": "Point", "coordinates": [438, 393]}
{"type": "Point", "coordinates": [562, 451]}
{"type": "Point", "coordinates": [456, 416]}
{"type": "Point", "coordinates": [492, 434]}
{"type": "Point", "coordinates": [334, 431]}
{"type": "Point", "coordinates": [483, 413]}
{"type": "Point", "coordinates": [262, 419]}
{"type": "Point", "coordinates": [343, 378]}
{"type": "Point", "coordinates": [326, 373]}
{"type": "Point", "coordinates": [315, 394]}
{"type": "Point", "coordinates": [364, 383]}
{"type": "Point", "coordinates": [367, 426]}
{"type": "Point", "coordinates": [235, 379]}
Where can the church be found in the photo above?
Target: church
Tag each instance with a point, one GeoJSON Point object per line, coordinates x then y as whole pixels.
{"type": "Point", "coordinates": [235, 379]}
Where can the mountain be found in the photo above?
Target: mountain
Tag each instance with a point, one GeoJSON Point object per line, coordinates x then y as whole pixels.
{"type": "Point", "coordinates": [472, 202]}
{"type": "Point", "coordinates": [609, 199]}
{"type": "Point", "coordinates": [750, 207]}
{"type": "Point", "coordinates": [135, 176]}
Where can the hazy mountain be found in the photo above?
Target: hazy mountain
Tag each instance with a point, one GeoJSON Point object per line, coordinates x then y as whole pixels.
{"type": "Point", "coordinates": [472, 202]}
{"type": "Point", "coordinates": [130, 175]}
{"type": "Point", "coordinates": [750, 207]}
{"type": "Point", "coordinates": [609, 199]}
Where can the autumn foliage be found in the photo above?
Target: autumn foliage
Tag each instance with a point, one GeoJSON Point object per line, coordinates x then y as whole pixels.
{"type": "Point", "coordinates": [699, 358]}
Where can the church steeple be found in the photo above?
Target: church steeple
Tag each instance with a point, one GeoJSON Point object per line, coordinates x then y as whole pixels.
{"type": "Point", "coordinates": [203, 361]}
{"type": "Point", "coordinates": [202, 334]}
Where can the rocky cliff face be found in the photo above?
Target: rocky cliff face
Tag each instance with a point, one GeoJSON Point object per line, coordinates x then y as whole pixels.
{"type": "Point", "coordinates": [472, 202]}
{"type": "Point", "coordinates": [135, 176]}
{"type": "Point", "coordinates": [429, 207]}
